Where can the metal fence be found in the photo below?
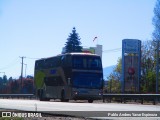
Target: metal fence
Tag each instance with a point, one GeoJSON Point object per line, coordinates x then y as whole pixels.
{"type": "Point", "coordinates": [17, 96]}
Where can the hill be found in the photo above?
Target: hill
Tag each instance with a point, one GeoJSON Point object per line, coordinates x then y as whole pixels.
{"type": "Point", "coordinates": [107, 71]}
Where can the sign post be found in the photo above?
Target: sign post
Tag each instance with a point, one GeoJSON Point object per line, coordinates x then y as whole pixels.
{"type": "Point", "coordinates": [131, 65]}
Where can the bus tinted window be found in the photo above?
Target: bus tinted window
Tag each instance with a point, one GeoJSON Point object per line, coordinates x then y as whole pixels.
{"type": "Point", "coordinates": [94, 63]}
{"type": "Point", "coordinates": [78, 62]}
{"type": "Point", "coordinates": [48, 63]}
{"type": "Point", "coordinates": [87, 80]}
{"type": "Point", "coordinates": [53, 81]}
{"type": "Point", "coordinates": [39, 64]}
{"type": "Point", "coordinates": [83, 62]}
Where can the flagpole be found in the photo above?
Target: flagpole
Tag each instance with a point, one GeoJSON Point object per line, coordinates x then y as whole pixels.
{"type": "Point", "coordinates": [95, 38]}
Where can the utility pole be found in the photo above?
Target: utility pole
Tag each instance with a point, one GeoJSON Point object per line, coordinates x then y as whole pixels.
{"type": "Point", "coordinates": [157, 67]}
{"type": "Point", "coordinates": [25, 69]}
{"type": "Point", "coordinates": [22, 71]}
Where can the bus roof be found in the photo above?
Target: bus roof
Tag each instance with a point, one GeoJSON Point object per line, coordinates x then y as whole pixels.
{"type": "Point", "coordinates": [83, 54]}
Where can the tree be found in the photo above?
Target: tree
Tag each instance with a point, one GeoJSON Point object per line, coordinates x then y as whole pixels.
{"type": "Point", "coordinates": [73, 42]}
{"type": "Point", "coordinates": [5, 80]}
{"type": "Point", "coordinates": [114, 78]}
{"type": "Point", "coordinates": [156, 38]}
{"type": "Point", "coordinates": [156, 21]}
{"type": "Point", "coordinates": [15, 87]}
{"type": "Point", "coordinates": [1, 85]}
{"type": "Point", "coordinates": [148, 66]}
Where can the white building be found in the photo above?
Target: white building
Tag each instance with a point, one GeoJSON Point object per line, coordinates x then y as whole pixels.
{"type": "Point", "coordinates": [95, 50]}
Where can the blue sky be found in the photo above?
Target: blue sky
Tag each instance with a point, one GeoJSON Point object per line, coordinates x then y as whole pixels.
{"type": "Point", "coordinates": [39, 28]}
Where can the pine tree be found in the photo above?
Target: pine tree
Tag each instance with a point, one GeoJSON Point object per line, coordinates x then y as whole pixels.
{"type": "Point", "coordinates": [73, 42]}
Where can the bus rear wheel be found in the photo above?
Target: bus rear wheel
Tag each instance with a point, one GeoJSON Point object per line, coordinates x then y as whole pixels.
{"type": "Point", "coordinates": [63, 97]}
{"type": "Point", "coordinates": [90, 101]}
{"type": "Point", "coordinates": [41, 98]}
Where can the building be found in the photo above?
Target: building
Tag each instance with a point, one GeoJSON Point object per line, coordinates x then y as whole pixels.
{"type": "Point", "coordinates": [94, 50]}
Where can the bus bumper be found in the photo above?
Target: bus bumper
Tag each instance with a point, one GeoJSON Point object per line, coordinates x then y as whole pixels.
{"type": "Point", "coordinates": [87, 95]}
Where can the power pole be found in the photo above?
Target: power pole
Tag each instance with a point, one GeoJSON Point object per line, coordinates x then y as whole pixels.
{"type": "Point", "coordinates": [25, 69]}
{"type": "Point", "coordinates": [22, 72]}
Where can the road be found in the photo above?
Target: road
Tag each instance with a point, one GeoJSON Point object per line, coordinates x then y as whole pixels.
{"type": "Point", "coordinates": [77, 109]}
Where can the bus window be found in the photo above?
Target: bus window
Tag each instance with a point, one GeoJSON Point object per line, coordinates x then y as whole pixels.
{"type": "Point", "coordinates": [87, 80]}
{"type": "Point", "coordinates": [94, 63]}
{"type": "Point", "coordinates": [77, 62]}
{"type": "Point", "coordinates": [39, 64]}
{"type": "Point", "coordinates": [65, 61]}
{"type": "Point", "coordinates": [58, 61]}
{"type": "Point", "coordinates": [83, 62]}
{"type": "Point", "coordinates": [53, 81]}
{"type": "Point", "coordinates": [47, 63]}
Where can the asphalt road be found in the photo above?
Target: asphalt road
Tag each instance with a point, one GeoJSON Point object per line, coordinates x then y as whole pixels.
{"type": "Point", "coordinates": [79, 109]}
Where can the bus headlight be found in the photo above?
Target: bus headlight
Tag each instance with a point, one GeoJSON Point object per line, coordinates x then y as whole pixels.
{"type": "Point", "coordinates": [101, 92]}
{"type": "Point", "coordinates": [75, 92]}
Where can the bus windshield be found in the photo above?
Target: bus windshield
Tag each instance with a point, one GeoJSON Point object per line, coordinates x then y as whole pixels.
{"type": "Point", "coordinates": [87, 80]}
{"type": "Point", "coordinates": [86, 62]}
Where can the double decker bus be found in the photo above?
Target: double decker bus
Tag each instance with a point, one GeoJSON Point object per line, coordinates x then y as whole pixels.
{"type": "Point", "coordinates": [70, 76]}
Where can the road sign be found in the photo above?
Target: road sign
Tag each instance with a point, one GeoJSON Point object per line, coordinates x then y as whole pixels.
{"type": "Point", "coordinates": [131, 46]}
{"type": "Point", "coordinates": [131, 67]}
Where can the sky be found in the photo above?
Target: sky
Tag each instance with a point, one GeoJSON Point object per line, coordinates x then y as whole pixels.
{"type": "Point", "coordinates": [40, 28]}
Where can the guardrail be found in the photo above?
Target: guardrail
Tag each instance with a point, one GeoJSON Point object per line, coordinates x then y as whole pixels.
{"type": "Point", "coordinates": [123, 97]}
{"type": "Point", "coordinates": [17, 95]}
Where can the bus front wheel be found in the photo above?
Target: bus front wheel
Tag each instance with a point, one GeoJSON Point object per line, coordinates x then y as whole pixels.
{"type": "Point", "coordinates": [90, 101]}
{"type": "Point", "coordinates": [41, 98]}
{"type": "Point", "coordinates": [63, 97]}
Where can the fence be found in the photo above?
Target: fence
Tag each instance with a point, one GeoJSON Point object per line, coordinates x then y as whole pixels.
{"type": "Point", "coordinates": [17, 96]}
{"type": "Point", "coordinates": [123, 97]}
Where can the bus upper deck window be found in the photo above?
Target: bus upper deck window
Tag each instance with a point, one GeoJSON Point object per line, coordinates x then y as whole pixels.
{"type": "Point", "coordinates": [77, 63]}
{"type": "Point", "coordinates": [94, 63]}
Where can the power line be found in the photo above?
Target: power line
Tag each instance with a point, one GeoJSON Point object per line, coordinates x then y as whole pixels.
{"type": "Point", "coordinates": [31, 58]}
{"type": "Point", "coordinates": [3, 73]}
{"type": "Point", "coordinates": [112, 50]}
{"type": "Point", "coordinates": [14, 62]}
{"type": "Point", "coordinates": [11, 64]}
